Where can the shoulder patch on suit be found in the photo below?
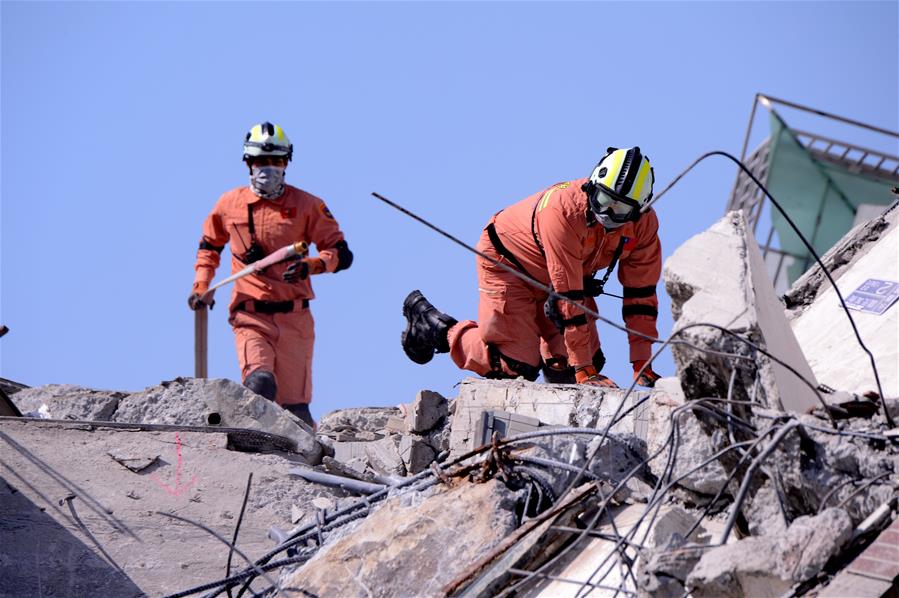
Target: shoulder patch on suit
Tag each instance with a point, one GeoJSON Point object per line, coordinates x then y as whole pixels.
{"type": "Point", "coordinates": [325, 211]}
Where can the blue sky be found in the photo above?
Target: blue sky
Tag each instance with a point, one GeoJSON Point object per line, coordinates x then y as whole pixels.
{"type": "Point", "coordinates": [122, 123]}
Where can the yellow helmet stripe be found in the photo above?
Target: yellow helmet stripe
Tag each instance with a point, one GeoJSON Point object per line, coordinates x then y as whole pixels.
{"type": "Point", "coordinates": [641, 179]}
{"type": "Point", "coordinates": [614, 169]}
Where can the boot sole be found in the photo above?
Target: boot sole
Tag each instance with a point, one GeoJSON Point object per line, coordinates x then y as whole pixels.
{"type": "Point", "coordinates": [419, 357]}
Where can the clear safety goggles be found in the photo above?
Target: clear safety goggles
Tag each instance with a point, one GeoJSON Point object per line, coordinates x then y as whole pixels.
{"type": "Point", "coordinates": [618, 209]}
{"type": "Point", "coordinates": [266, 147]}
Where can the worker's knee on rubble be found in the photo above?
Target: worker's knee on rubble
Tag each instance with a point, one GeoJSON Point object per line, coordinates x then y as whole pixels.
{"type": "Point", "coordinates": [262, 382]}
{"type": "Point", "coordinates": [557, 371]}
{"type": "Point", "coordinates": [599, 360]}
{"type": "Point", "coordinates": [344, 256]}
{"type": "Point", "coordinates": [301, 410]}
{"type": "Point", "coordinates": [518, 368]}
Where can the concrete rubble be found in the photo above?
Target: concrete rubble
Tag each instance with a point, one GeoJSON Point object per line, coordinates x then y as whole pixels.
{"type": "Point", "coordinates": [733, 478]}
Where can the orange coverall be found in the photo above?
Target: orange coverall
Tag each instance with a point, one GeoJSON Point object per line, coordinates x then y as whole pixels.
{"type": "Point", "coordinates": [572, 246]}
{"type": "Point", "coordinates": [280, 343]}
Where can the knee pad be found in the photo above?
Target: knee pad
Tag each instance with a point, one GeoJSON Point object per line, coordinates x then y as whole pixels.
{"type": "Point", "coordinates": [557, 371]}
{"type": "Point", "coordinates": [263, 383]}
{"type": "Point", "coordinates": [527, 371]}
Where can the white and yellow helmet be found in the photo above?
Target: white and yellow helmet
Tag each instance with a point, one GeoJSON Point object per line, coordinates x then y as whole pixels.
{"type": "Point", "coordinates": [266, 139]}
{"type": "Point", "coordinates": [621, 184]}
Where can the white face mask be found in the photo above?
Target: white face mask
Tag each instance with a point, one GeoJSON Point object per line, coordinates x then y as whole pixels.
{"type": "Point", "coordinates": [267, 181]}
{"type": "Point", "coordinates": [607, 222]}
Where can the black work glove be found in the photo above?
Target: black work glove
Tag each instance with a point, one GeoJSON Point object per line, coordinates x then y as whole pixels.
{"type": "Point", "coordinates": [552, 313]}
{"type": "Point", "coordinates": [592, 287]}
{"type": "Point", "coordinates": [299, 270]}
{"type": "Point", "coordinates": [195, 303]}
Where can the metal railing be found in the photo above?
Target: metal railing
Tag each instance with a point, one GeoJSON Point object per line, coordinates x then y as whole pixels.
{"type": "Point", "coordinates": [851, 157]}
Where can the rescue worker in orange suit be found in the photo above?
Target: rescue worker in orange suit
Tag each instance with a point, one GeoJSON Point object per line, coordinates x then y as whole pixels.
{"type": "Point", "coordinates": [562, 236]}
{"type": "Point", "coordinates": [269, 311]}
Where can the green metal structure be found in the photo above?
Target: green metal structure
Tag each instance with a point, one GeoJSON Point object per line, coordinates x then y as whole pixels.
{"type": "Point", "coordinates": [826, 186]}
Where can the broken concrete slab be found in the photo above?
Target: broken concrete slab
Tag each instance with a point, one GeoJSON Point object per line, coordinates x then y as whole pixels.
{"type": "Point", "coordinates": [838, 259]}
{"type": "Point", "coordinates": [826, 335]}
{"type": "Point", "coordinates": [438, 438]}
{"type": "Point", "coordinates": [132, 460]}
{"type": "Point", "coordinates": [380, 456]}
{"type": "Point", "coordinates": [63, 490]}
{"type": "Point", "coordinates": [350, 422]}
{"type": "Point", "coordinates": [410, 547]}
{"type": "Point", "coordinates": [67, 401]}
{"type": "Point", "coordinates": [771, 565]}
{"type": "Point", "coordinates": [215, 402]}
{"type": "Point", "coordinates": [598, 560]}
{"type": "Point", "coordinates": [552, 404]}
{"type": "Point", "coordinates": [695, 446]}
{"type": "Point", "coordinates": [671, 554]}
{"type": "Point", "coordinates": [417, 455]}
{"type": "Point", "coordinates": [718, 277]}
{"type": "Point", "coordinates": [426, 411]}
{"type": "Point", "coordinates": [815, 470]}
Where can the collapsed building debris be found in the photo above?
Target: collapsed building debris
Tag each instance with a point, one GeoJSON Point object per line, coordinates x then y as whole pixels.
{"type": "Point", "coordinates": [738, 477]}
{"type": "Point", "coordinates": [826, 337]}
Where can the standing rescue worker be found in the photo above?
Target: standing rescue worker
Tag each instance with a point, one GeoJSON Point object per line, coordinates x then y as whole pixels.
{"type": "Point", "coordinates": [273, 326]}
{"type": "Point", "coordinates": [561, 237]}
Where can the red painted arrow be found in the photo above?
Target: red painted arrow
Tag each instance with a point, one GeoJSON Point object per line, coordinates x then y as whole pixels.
{"type": "Point", "coordinates": [178, 489]}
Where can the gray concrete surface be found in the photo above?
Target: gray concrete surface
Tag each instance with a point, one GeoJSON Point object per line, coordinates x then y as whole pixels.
{"type": "Point", "coordinates": [75, 522]}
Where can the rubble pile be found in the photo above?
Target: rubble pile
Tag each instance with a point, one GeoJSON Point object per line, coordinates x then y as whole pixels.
{"type": "Point", "coordinates": [371, 442]}
{"type": "Point", "coordinates": [744, 475]}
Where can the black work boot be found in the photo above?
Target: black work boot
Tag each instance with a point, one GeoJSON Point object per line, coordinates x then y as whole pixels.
{"type": "Point", "coordinates": [301, 410]}
{"type": "Point", "coordinates": [263, 383]}
{"type": "Point", "coordinates": [426, 329]}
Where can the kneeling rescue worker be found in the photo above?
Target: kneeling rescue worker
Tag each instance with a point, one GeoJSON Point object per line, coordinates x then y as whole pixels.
{"type": "Point", "coordinates": [269, 311]}
{"type": "Point", "coordinates": [562, 237]}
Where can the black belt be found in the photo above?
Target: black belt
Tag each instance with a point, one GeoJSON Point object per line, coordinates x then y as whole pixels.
{"type": "Point", "coordinates": [270, 307]}
{"type": "Point", "coordinates": [502, 250]}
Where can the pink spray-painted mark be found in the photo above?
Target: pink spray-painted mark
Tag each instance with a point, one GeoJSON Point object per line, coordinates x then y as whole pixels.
{"type": "Point", "coordinates": [178, 489]}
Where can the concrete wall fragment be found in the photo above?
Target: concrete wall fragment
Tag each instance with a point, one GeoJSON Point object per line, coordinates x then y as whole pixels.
{"type": "Point", "coordinates": [826, 336]}
{"type": "Point", "coordinates": [552, 404]}
{"type": "Point", "coordinates": [719, 277]}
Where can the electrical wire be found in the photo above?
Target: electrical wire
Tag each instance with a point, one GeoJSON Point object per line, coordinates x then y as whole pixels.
{"type": "Point", "coordinates": [243, 506]}
{"type": "Point", "coordinates": [729, 418]}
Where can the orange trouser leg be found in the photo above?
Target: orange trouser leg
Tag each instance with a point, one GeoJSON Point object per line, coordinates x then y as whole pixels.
{"type": "Point", "coordinates": [281, 344]}
{"type": "Point", "coordinates": [507, 319]}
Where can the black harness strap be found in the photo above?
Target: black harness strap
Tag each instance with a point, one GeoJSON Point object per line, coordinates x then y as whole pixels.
{"type": "Point", "coordinates": [639, 310]}
{"type": "Point", "coordinates": [529, 372]}
{"type": "Point", "coordinates": [250, 224]}
{"type": "Point", "coordinates": [204, 244]}
{"type": "Point", "coordinates": [534, 228]}
{"type": "Point", "coordinates": [615, 257]}
{"type": "Point", "coordinates": [502, 249]}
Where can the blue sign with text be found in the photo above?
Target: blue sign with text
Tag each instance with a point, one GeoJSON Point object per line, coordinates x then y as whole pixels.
{"type": "Point", "coordinates": [874, 296]}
